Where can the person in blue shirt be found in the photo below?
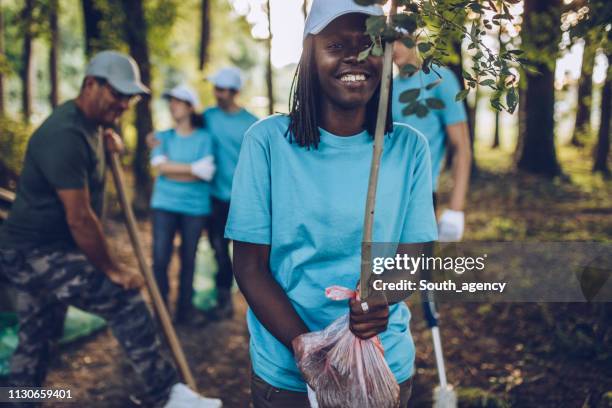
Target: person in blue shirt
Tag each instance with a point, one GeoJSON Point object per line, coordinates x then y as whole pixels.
{"type": "Point", "coordinates": [298, 204]}
{"type": "Point", "coordinates": [441, 127]}
{"type": "Point", "coordinates": [183, 158]}
{"type": "Point", "coordinates": [227, 123]}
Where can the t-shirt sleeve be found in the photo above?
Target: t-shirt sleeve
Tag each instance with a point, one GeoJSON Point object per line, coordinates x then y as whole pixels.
{"type": "Point", "coordinates": [454, 111]}
{"type": "Point", "coordinates": [420, 223]}
{"type": "Point", "coordinates": [64, 162]}
{"type": "Point", "coordinates": [250, 212]}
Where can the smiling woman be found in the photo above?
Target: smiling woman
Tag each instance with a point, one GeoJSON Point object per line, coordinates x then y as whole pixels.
{"type": "Point", "coordinates": [332, 84]}
{"type": "Point", "coordinates": [297, 207]}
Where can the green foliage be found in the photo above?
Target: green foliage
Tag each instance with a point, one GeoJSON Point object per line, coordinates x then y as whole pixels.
{"type": "Point", "coordinates": [432, 25]}
{"type": "Point", "coordinates": [13, 143]}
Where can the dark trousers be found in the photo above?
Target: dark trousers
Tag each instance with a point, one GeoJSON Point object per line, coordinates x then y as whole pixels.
{"type": "Point", "coordinates": [220, 244]}
{"type": "Point", "coordinates": [165, 226]}
{"type": "Point", "coordinates": [46, 283]}
{"type": "Point", "coordinates": [265, 395]}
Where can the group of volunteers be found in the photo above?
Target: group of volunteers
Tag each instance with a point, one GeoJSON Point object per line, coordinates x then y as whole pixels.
{"type": "Point", "coordinates": [195, 162]}
{"type": "Point", "coordinates": [289, 191]}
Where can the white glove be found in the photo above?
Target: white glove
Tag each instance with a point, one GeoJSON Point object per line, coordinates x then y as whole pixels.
{"type": "Point", "coordinates": [312, 397]}
{"type": "Point", "coordinates": [204, 168]}
{"type": "Point", "coordinates": [450, 226]}
{"type": "Point", "coordinates": [157, 160]}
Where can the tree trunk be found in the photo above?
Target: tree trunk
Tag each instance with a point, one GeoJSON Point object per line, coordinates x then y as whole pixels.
{"type": "Point", "coordinates": [3, 58]}
{"type": "Point", "coordinates": [602, 150]}
{"type": "Point", "coordinates": [537, 143]}
{"type": "Point", "coordinates": [269, 79]}
{"type": "Point", "coordinates": [26, 60]}
{"type": "Point", "coordinates": [53, 52]}
{"type": "Point", "coordinates": [92, 16]}
{"type": "Point", "coordinates": [136, 36]}
{"type": "Point", "coordinates": [495, 144]}
{"type": "Point", "coordinates": [204, 33]}
{"type": "Point", "coordinates": [582, 125]}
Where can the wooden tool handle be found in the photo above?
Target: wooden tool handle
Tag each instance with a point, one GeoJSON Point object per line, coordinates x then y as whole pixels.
{"type": "Point", "coordinates": [158, 304]}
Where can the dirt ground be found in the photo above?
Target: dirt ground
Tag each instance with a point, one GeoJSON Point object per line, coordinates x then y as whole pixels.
{"type": "Point", "coordinates": [520, 355]}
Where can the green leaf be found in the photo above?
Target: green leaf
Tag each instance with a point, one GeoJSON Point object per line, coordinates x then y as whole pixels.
{"type": "Point", "coordinates": [364, 54]}
{"type": "Point", "coordinates": [462, 95]}
{"type": "Point", "coordinates": [406, 21]}
{"type": "Point", "coordinates": [512, 99]}
{"type": "Point", "coordinates": [410, 109]}
{"type": "Point", "coordinates": [487, 82]}
{"type": "Point", "coordinates": [425, 46]}
{"type": "Point", "coordinates": [421, 110]}
{"type": "Point", "coordinates": [409, 95]}
{"type": "Point", "coordinates": [375, 25]}
{"type": "Point", "coordinates": [435, 103]}
{"type": "Point", "coordinates": [408, 42]}
{"type": "Point", "coordinates": [409, 69]}
{"type": "Point", "coordinates": [377, 51]}
{"type": "Point", "coordinates": [433, 84]}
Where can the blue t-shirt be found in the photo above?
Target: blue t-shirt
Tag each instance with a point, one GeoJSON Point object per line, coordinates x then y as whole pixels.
{"type": "Point", "coordinates": [227, 129]}
{"type": "Point", "coordinates": [187, 197]}
{"type": "Point", "coordinates": [308, 205]}
{"type": "Point", "coordinates": [433, 126]}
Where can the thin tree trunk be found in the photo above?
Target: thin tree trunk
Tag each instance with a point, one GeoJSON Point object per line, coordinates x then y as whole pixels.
{"type": "Point", "coordinates": [92, 16]}
{"type": "Point", "coordinates": [204, 33]}
{"type": "Point", "coordinates": [585, 86]}
{"type": "Point", "coordinates": [537, 143]}
{"type": "Point", "coordinates": [269, 74]}
{"type": "Point", "coordinates": [602, 150]}
{"type": "Point", "coordinates": [136, 35]}
{"type": "Point", "coordinates": [26, 60]}
{"type": "Point", "coordinates": [53, 52]}
{"type": "Point", "coordinates": [3, 57]}
{"type": "Point", "coordinates": [495, 144]}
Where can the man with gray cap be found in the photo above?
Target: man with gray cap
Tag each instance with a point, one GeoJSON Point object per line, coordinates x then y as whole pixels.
{"type": "Point", "coordinates": [53, 250]}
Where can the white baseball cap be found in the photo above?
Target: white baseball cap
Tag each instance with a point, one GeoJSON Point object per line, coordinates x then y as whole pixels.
{"type": "Point", "coordinates": [227, 78]}
{"type": "Point", "coordinates": [324, 12]}
{"type": "Point", "coordinates": [183, 93]}
{"type": "Point", "coordinates": [119, 70]}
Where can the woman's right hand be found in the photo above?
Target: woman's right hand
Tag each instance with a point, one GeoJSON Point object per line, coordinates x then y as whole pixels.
{"type": "Point", "coordinates": [369, 318]}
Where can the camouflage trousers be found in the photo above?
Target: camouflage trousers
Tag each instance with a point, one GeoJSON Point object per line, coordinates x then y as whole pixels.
{"type": "Point", "coordinates": [46, 283]}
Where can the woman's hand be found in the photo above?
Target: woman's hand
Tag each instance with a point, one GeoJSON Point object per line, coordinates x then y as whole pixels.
{"type": "Point", "coordinates": [368, 321]}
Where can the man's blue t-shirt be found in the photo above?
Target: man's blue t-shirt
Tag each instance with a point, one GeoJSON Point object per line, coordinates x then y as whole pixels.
{"type": "Point", "coordinates": [227, 129]}
{"type": "Point", "coordinates": [186, 197]}
{"type": "Point", "coordinates": [308, 205]}
{"type": "Point", "coordinates": [433, 126]}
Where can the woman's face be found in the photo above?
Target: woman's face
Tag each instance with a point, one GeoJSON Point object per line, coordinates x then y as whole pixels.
{"type": "Point", "coordinates": [179, 109]}
{"type": "Point", "coordinates": [344, 80]}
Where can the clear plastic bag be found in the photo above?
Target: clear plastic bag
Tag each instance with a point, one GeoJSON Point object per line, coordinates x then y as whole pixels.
{"type": "Point", "coordinates": [344, 370]}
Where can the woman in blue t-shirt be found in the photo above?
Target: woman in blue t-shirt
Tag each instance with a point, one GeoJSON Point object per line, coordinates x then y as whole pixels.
{"type": "Point", "coordinates": [298, 203]}
{"type": "Point", "coordinates": [181, 197]}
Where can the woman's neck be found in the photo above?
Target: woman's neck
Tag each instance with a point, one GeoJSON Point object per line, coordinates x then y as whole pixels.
{"type": "Point", "coordinates": [342, 122]}
{"type": "Point", "coordinates": [183, 127]}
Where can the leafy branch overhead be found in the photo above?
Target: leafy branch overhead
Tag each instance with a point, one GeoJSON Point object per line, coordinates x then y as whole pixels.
{"type": "Point", "coordinates": [431, 26]}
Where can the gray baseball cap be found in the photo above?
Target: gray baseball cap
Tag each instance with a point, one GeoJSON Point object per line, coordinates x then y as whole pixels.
{"type": "Point", "coordinates": [324, 12]}
{"type": "Point", "coordinates": [119, 70]}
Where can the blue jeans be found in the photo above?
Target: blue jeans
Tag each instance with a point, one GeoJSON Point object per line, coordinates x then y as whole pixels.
{"type": "Point", "coordinates": [165, 226]}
